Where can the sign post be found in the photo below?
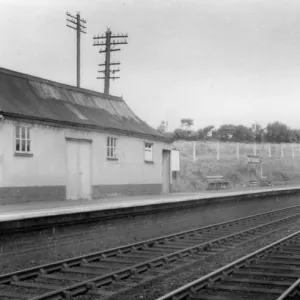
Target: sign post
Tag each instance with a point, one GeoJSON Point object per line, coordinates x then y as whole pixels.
{"type": "Point", "coordinates": [253, 161]}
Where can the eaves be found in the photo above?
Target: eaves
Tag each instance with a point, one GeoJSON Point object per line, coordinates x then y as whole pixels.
{"type": "Point", "coordinates": [88, 127]}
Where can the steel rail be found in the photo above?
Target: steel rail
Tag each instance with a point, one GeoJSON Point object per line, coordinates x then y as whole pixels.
{"type": "Point", "coordinates": [191, 289]}
{"type": "Point", "coordinates": [125, 273]}
{"type": "Point", "coordinates": [71, 262]}
{"type": "Point", "coordinates": [292, 291]}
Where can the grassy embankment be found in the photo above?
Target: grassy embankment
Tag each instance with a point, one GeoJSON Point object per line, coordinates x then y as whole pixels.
{"type": "Point", "coordinates": [281, 164]}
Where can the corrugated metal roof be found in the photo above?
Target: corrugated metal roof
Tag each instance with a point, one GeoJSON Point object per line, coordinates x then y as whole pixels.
{"type": "Point", "coordinates": [33, 97]}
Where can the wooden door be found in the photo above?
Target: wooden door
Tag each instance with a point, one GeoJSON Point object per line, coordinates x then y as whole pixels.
{"type": "Point", "coordinates": [84, 157]}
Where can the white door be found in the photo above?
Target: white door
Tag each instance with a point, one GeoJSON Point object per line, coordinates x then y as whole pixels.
{"type": "Point", "coordinates": [166, 166]}
{"type": "Point", "coordinates": [78, 170]}
{"type": "Point", "coordinates": [84, 170]}
{"type": "Point", "coordinates": [72, 173]}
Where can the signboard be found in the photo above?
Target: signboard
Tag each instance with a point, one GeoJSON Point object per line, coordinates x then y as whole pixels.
{"type": "Point", "coordinates": [253, 160]}
{"type": "Point", "coordinates": [175, 160]}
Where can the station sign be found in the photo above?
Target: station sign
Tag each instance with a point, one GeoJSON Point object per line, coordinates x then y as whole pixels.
{"type": "Point", "coordinates": [175, 160]}
{"type": "Point", "coordinates": [253, 160]}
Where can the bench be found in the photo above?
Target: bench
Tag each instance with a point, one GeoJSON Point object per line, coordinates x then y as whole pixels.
{"type": "Point", "coordinates": [262, 182]}
{"type": "Point", "coordinates": [253, 183]}
{"type": "Point", "coordinates": [265, 182]}
{"type": "Point", "coordinates": [217, 182]}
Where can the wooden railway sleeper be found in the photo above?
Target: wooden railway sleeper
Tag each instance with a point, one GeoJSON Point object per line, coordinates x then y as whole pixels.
{"type": "Point", "coordinates": [67, 266]}
{"type": "Point", "coordinates": [66, 295]}
{"type": "Point", "coordinates": [210, 280]}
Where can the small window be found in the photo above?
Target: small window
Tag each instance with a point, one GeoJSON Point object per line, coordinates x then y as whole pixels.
{"type": "Point", "coordinates": [111, 148]}
{"type": "Point", "coordinates": [23, 139]}
{"type": "Point", "coordinates": [149, 152]}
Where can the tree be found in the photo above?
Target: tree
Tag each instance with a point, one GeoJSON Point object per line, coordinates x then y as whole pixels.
{"type": "Point", "coordinates": [295, 135]}
{"type": "Point", "coordinates": [185, 132]}
{"type": "Point", "coordinates": [205, 133]}
{"type": "Point", "coordinates": [242, 134]}
{"type": "Point", "coordinates": [278, 132]}
{"type": "Point", "coordinates": [208, 130]}
{"type": "Point", "coordinates": [226, 132]}
{"type": "Point", "coordinates": [186, 123]}
{"type": "Point", "coordinates": [258, 133]}
{"type": "Point", "coordinates": [181, 134]}
{"type": "Point", "coordinates": [275, 132]}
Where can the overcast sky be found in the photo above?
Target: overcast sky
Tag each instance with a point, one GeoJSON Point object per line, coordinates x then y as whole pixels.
{"type": "Point", "coordinates": [216, 61]}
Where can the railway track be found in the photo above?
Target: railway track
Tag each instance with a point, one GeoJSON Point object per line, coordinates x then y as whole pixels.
{"type": "Point", "coordinates": [111, 271]}
{"type": "Point", "coordinates": [271, 273]}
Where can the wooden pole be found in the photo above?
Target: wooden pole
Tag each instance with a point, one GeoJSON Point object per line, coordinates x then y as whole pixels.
{"type": "Point", "coordinates": [238, 150]}
{"type": "Point", "coordinates": [78, 49]}
{"type": "Point", "coordinates": [107, 62]}
{"type": "Point", "coordinates": [111, 40]}
{"type": "Point", "coordinates": [76, 23]}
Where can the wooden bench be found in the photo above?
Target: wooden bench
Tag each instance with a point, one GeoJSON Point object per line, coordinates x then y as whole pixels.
{"type": "Point", "coordinates": [217, 182]}
{"type": "Point", "coordinates": [265, 182]}
{"type": "Point", "coordinates": [253, 183]}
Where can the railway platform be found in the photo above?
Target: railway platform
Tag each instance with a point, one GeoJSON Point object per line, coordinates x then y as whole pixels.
{"type": "Point", "coordinates": [38, 232]}
{"type": "Point", "coordinates": [33, 210]}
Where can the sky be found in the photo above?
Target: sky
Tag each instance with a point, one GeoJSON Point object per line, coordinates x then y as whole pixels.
{"type": "Point", "coordinates": [215, 61]}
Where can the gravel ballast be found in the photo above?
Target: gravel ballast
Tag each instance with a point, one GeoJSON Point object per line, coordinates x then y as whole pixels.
{"type": "Point", "coordinates": [165, 284]}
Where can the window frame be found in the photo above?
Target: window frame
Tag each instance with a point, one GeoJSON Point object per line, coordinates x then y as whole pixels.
{"type": "Point", "coordinates": [28, 132]}
{"type": "Point", "coordinates": [111, 150]}
{"type": "Point", "coordinates": [152, 152]}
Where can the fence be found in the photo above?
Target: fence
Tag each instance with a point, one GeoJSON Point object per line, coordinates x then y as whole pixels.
{"type": "Point", "coordinates": [222, 150]}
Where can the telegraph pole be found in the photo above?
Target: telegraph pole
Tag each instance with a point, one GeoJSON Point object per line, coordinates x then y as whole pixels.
{"type": "Point", "coordinates": [76, 20]}
{"type": "Point", "coordinates": [109, 41]}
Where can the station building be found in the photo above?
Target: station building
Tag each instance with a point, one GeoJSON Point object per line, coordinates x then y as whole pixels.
{"type": "Point", "coordinates": [60, 142]}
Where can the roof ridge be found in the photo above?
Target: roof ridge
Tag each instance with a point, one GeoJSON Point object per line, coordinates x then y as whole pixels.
{"type": "Point", "coordinates": [58, 84]}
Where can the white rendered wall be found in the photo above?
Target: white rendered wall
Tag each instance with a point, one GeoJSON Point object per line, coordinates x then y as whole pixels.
{"type": "Point", "coordinates": [47, 166]}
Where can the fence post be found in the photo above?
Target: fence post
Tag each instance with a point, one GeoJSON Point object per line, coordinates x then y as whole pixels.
{"type": "Point", "coordinates": [254, 148]}
{"type": "Point", "coordinates": [238, 150]}
{"type": "Point", "coordinates": [281, 148]}
{"type": "Point", "coordinates": [293, 154]}
{"type": "Point", "coordinates": [194, 151]}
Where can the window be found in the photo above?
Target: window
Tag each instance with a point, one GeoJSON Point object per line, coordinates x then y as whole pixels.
{"type": "Point", "coordinates": [111, 148]}
{"type": "Point", "coordinates": [23, 139]}
{"type": "Point", "coordinates": [148, 152]}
